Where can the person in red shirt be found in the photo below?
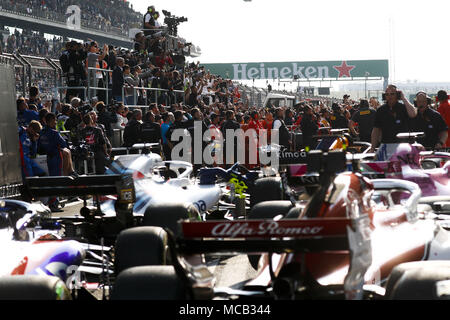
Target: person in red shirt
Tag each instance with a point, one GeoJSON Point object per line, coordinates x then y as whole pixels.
{"type": "Point", "coordinates": [267, 124]}
{"type": "Point", "coordinates": [163, 59]}
{"type": "Point", "coordinates": [444, 110]}
{"type": "Point", "coordinates": [256, 125]}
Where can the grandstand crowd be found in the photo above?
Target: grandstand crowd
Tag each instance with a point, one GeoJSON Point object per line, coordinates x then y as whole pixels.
{"type": "Point", "coordinates": [186, 93]}
{"type": "Point", "coordinates": [114, 16]}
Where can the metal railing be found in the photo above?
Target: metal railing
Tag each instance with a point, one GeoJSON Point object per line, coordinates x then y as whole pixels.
{"type": "Point", "coordinates": [135, 89]}
{"type": "Point", "coordinates": [93, 76]}
{"type": "Point", "coordinates": [91, 89]}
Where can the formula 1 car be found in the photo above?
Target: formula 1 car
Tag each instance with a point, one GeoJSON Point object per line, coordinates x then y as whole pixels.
{"type": "Point", "coordinates": [406, 161]}
{"type": "Point", "coordinates": [37, 262]}
{"type": "Point", "coordinates": [159, 183]}
{"type": "Point", "coordinates": [341, 245]}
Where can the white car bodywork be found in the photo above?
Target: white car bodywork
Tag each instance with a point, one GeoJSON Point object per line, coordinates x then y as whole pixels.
{"type": "Point", "coordinates": [152, 188]}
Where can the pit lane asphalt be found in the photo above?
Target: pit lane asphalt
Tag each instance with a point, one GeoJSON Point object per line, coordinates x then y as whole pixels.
{"type": "Point", "coordinates": [229, 271]}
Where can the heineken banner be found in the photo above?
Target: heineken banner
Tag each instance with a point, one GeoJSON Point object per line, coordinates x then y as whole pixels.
{"type": "Point", "coordinates": [301, 70]}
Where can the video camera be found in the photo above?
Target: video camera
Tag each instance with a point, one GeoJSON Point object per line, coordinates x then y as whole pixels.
{"type": "Point", "coordinates": [85, 109]}
{"type": "Point", "coordinates": [173, 22]}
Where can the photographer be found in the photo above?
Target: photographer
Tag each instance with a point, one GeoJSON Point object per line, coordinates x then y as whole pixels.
{"type": "Point", "coordinates": [95, 77]}
{"type": "Point", "coordinates": [71, 61]}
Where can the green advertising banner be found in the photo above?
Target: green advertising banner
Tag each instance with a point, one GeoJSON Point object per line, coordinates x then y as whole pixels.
{"type": "Point", "coordinates": [301, 70]}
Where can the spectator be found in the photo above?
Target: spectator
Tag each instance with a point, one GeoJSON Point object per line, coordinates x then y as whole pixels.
{"type": "Point", "coordinates": [24, 114]}
{"type": "Point", "coordinates": [62, 118]}
{"type": "Point", "coordinates": [337, 119]}
{"type": "Point", "coordinates": [129, 83]}
{"type": "Point", "coordinates": [95, 123]}
{"type": "Point", "coordinates": [28, 137]}
{"type": "Point", "coordinates": [118, 80]}
{"type": "Point", "coordinates": [42, 113]}
{"type": "Point", "coordinates": [133, 130]}
{"type": "Point", "coordinates": [230, 126]}
{"type": "Point", "coordinates": [444, 110]}
{"type": "Point", "coordinates": [309, 128]}
{"type": "Point", "coordinates": [59, 158]}
{"type": "Point", "coordinates": [151, 131]}
{"type": "Point", "coordinates": [106, 118]}
{"type": "Point", "coordinates": [93, 61]}
{"type": "Point", "coordinates": [168, 119]}
{"type": "Point", "coordinates": [430, 122]}
{"type": "Point", "coordinates": [95, 139]}
{"type": "Point", "coordinates": [121, 119]}
{"type": "Point", "coordinates": [365, 118]}
{"type": "Point", "coordinates": [283, 132]}
{"type": "Point", "coordinates": [34, 98]}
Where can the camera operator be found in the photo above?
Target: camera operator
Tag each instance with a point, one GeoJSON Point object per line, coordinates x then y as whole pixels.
{"type": "Point", "coordinates": [94, 138]}
{"type": "Point", "coordinates": [392, 118]}
{"type": "Point", "coordinates": [149, 21]}
{"type": "Point", "coordinates": [71, 61]}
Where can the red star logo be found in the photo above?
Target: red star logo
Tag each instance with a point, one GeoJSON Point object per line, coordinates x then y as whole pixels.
{"type": "Point", "coordinates": [344, 69]}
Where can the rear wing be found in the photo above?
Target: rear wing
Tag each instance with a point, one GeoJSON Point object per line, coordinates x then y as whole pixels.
{"type": "Point", "coordinates": [265, 236]}
{"type": "Point", "coordinates": [138, 148]}
{"type": "Point", "coordinates": [286, 236]}
{"type": "Point", "coordinates": [116, 184]}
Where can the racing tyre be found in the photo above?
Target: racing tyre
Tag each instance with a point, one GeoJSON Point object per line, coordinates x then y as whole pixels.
{"type": "Point", "coordinates": [419, 280]}
{"type": "Point", "coordinates": [149, 283]}
{"type": "Point", "coordinates": [267, 189]}
{"type": "Point", "coordinates": [33, 287]}
{"type": "Point", "coordinates": [270, 209]}
{"type": "Point", "coordinates": [294, 213]}
{"type": "Point", "coordinates": [140, 246]}
{"type": "Point", "coordinates": [267, 210]}
{"type": "Point", "coordinates": [167, 215]}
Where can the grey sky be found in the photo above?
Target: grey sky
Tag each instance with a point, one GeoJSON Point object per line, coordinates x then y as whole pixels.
{"type": "Point", "coordinates": [286, 30]}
